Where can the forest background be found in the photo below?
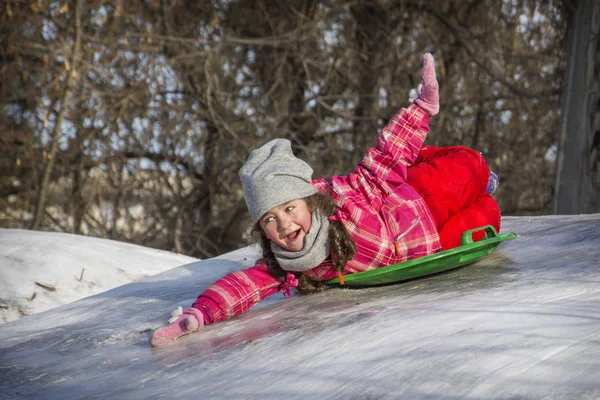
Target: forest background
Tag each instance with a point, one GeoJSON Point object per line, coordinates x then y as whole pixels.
{"type": "Point", "coordinates": [129, 120]}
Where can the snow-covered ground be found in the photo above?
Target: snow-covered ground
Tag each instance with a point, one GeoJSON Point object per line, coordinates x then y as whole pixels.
{"type": "Point", "coordinates": [43, 270]}
{"type": "Point", "coordinates": [524, 323]}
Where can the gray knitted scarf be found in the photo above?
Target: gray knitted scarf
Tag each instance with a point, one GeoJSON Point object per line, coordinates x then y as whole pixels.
{"type": "Point", "coordinates": [314, 252]}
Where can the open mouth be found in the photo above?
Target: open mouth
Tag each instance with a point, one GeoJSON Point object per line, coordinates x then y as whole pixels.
{"type": "Point", "coordinates": [293, 235]}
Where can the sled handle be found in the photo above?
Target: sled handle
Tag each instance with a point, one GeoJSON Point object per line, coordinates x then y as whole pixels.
{"type": "Point", "coordinates": [467, 236]}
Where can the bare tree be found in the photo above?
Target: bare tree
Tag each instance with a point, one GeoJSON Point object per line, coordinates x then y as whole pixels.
{"type": "Point", "coordinates": [71, 69]}
{"type": "Point", "coordinates": [577, 187]}
{"type": "Point", "coordinates": [165, 99]}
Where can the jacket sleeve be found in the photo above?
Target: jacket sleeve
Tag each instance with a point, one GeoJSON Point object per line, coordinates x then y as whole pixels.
{"type": "Point", "coordinates": [398, 145]}
{"type": "Point", "coordinates": [385, 165]}
{"type": "Point", "coordinates": [236, 293]}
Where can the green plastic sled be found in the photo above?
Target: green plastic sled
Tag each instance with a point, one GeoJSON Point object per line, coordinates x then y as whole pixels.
{"type": "Point", "coordinates": [467, 253]}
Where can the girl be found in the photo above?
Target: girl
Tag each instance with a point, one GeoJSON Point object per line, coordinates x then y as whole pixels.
{"type": "Point", "coordinates": [402, 202]}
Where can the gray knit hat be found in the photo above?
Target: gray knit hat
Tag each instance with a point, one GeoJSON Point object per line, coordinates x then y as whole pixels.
{"type": "Point", "coordinates": [272, 175]}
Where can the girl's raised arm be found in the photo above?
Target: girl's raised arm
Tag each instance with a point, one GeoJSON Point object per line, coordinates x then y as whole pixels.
{"type": "Point", "coordinates": [400, 141]}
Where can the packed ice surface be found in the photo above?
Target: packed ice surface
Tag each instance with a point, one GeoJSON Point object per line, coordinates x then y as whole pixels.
{"type": "Point", "coordinates": [523, 323]}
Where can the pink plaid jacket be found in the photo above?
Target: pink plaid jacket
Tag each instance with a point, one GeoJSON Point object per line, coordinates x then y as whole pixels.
{"type": "Point", "coordinates": [387, 219]}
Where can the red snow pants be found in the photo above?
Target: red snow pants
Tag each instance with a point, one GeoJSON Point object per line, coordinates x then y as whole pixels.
{"type": "Point", "coordinates": [453, 181]}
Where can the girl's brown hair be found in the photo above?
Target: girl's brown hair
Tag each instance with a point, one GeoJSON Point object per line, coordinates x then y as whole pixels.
{"type": "Point", "coordinates": [342, 246]}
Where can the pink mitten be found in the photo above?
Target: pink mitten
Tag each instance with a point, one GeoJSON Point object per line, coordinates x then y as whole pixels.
{"type": "Point", "coordinates": [427, 96]}
{"type": "Point", "coordinates": [189, 321]}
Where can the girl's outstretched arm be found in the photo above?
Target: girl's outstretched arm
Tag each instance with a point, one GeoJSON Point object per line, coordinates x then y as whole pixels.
{"type": "Point", "coordinates": [236, 293]}
{"type": "Point", "coordinates": [231, 295]}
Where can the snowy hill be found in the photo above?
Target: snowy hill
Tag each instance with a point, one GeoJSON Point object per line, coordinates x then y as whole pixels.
{"type": "Point", "coordinates": [43, 270]}
{"type": "Point", "coordinates": [524, 323]}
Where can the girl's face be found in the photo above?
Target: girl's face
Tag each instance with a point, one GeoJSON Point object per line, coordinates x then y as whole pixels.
{"type": "Point", "coordinates": [287, 224]}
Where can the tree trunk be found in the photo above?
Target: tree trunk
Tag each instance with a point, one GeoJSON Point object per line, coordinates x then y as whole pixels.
{"type": "Point", "coordinates": [64, 103]}
{"type": "Point", "coordinates": [577, 186]}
